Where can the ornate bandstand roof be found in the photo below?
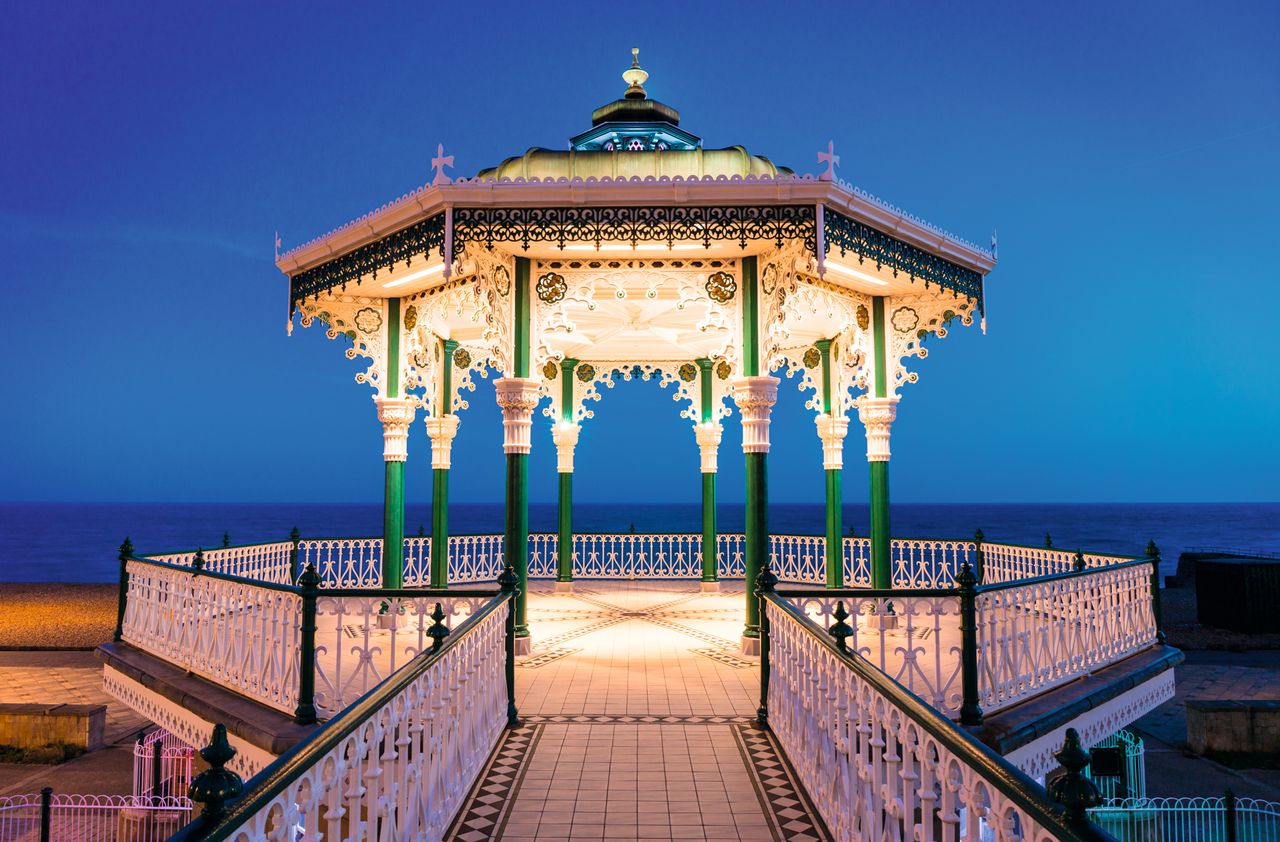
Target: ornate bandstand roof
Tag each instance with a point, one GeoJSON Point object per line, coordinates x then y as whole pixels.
{"type": "Point", "coordinates": [639, 245]}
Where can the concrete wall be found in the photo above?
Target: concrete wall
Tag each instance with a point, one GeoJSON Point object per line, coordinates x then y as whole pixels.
{"type": "Point", "coordinates": [33, 725]}
{"type": "Point", "coordinates": [1234, 728]}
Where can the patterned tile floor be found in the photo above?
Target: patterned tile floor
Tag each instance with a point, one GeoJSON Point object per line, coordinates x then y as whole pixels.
{"type": "Point", "coordinates": [637, 710]}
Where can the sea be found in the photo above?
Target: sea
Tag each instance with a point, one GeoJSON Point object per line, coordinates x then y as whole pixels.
{"type": "Point", "coordinates": [77, 542]}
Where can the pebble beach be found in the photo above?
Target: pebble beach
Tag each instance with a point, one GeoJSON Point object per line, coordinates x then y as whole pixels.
{"type": "Point", "coordinates": [56, 615]}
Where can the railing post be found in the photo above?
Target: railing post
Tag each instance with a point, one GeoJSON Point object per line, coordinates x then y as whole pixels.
{"type": "Point", "coordinates": [1231, 818]}
{"type": "Point", "coordinates": [765, 582]}
{"type": "Point", "coordinates": [979, 564]}
{"type": "Point", "coordinates": [1048, 541]}
{"type": "Point", "coordinates": [508, 580]}
{"type": "Point", "coordinates": [438, 631]}
{"type": "Point", "coordinates": [970, 709]}
{"type": "Point", "coordinates": [157, 749]}
{"type": "Point", "coordinates": [215, 786]}
{"type": "Point", "coordinates": [226, 539]}
{"type": "Point", "coordinates": [126, 550]}
{"type": "Point", "coordinates": [1079, 560]}
{"type": "Point", "coordinates": [197, 563]}
{"type": "Point", "coordinates": [46, 813]}
{"type": "Point", "coordinates": [1074, 791]}
{"type": "Point", "coordinates": [309, 582]}
{"type": "Point", "coordinates": [840, 629]}
{"type": "Point", "coordinates": [294, 538]}
{"type": "Point", "coordinates": [1153, 554]}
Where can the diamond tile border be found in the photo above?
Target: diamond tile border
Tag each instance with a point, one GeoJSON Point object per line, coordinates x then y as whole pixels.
{"type": "Point", "coordinates": [484, 813]}
{"type": "Point", "coordinates": [544, 658]}
{"type": "Point", "coordinates": [632, 719]}
{"type": "Point", "coordinates": [725, 656]}
{"type": "Point", "coordinates": [785, 803]}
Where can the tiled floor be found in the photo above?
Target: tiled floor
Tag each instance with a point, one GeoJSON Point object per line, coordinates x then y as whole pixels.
{"type": "Point", "coordinates": [635, 701]}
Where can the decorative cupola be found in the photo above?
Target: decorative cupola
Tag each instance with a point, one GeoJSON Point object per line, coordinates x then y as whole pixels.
{"type": "Point", "coordinates": [635, 123]}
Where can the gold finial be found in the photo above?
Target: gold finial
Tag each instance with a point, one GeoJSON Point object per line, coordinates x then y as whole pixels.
{"type": "Point", "coordinates": [635, 77]}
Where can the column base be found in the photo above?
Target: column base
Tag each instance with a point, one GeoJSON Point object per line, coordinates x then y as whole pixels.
{"type": "Point", "coordinates": [710, 587]}
{"type": "Point", "coordinates": [564, 587]}
{"type": "Point", "coordinates": [524, 646]}
{"type": "Point", "coordinates": [751, 646]}
{"type": "Point", "coordinates": [882, 622]}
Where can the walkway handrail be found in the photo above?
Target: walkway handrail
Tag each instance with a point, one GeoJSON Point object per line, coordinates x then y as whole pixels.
{"type": "Point", "coordinates": [433, 802]}
{"type": "Point", "coordinates": [826, 748]}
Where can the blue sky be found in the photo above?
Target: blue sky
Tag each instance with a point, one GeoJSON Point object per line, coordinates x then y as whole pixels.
{"type": "Point", "coordinates": [1127, 154]}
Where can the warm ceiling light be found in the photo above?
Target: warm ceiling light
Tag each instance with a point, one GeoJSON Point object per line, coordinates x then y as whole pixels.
{"type": "Point", "coordinates": [855, 273]}
{"type": "Point", "coordinates": [421, 273]}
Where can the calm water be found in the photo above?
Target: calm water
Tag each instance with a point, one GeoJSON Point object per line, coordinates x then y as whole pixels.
{"type": "Point", "coordinates": [76, 542]}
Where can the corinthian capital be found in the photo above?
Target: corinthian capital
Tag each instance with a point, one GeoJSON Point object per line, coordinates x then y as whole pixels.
{"type": "Point", "coordinates": [441, 429]}
{"type": "Point", "coordinates": [877, 416]}
{"type": "Point", "coordinates": [565, 437]}
{"type": "Point", "coordinates": [755, 397]}
{"type": "Point", "coordinates": [396, 414]}
{"type": "Point", "coordinates": [517, 396]}
{"type": "Point", "coordinates": [708, 437]}
{"type": "Point", "coordinates": [832, 429]}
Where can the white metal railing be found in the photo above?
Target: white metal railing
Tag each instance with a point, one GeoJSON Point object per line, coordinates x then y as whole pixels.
{"type": "Point", "coordinates": [242, 635]}
{"type": "Point", "coordinates": [1034, 636]}
{"type": "Point", "coordinates": [927, 563]}
{"type": "Point", "coordinates": [475, 558]}
{"type": "Point", "coordinates": [161, 765]}
{"type": "Point", "coordinates": [798, 558]}
{"type": "Point", "coordinates": [629, 555]}
{"type": "Point", "coordinates": [857, 562]}
{"type": "Point", "coordinates": [416, 572]}
{"type": "Point", "coordinates": [263, 562]}
{"type": "Point", "coordinates": [1189, 819]}
{"type": "Point", "coordinates": [93, 818]}
{"type": "Point", "coordinates": [399, 764]}
{"type": "Point", "coordinates": [731, 555]}
{"type": "Point", "coordinates": [919, 649]}
{"type": "Point", "coordinates": [343, 562]}
{"type": "Point", "coordinates": [544, 554]}
{"type": "Point", "coordinates": [361, 640]}
{"type": "Point", "coordinates": [879, 763]}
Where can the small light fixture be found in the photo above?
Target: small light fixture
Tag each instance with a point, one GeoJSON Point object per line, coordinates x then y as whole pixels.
{"type": "Point", "coordinates": [855, 273]}
{"type": "Point", "coordinates": [421, 273]}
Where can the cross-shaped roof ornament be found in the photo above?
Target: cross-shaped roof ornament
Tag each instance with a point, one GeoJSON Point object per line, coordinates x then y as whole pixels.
{"type": "Point", "coordinates": [831, 159]}
{"type": "Point", "coordinates": [438, 163]}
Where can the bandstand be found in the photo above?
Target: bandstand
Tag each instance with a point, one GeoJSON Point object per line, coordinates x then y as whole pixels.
{"type": "Point", "coordinates": [918, 688]}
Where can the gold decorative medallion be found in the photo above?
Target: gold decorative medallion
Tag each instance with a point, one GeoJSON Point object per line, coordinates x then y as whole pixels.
{"type": "Point", "coordinates": [586, 372]}
{"type": "Point", "coordinates": [551, 288]}
{"type": "Point", "coordinates": [549, 369]}
{"type": "Point", "coordinates": [410, 317]}
{"type": "Point", "coordinates": [721, 287]}
{"type": "Point", "coordinates": [812, 358]}
{"type": "Point", "coordinates": [462, 358]}
{"type": "Point", "coordinates": [688, 372]}
{"type": "Point", "coordinates": [864, 317]}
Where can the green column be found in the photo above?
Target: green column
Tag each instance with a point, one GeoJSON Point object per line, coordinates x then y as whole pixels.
{"type": "Point", "coordinates": [440, 480]}
{"type": "Point", "coordinates": [757, 503]}
{"type": "Point", "coordinates": [710, 544]}
{"type": "Point", "coordinates": [881, 575]}
{"type": "Point", "coordinates": [516, 538]}
{"type": "Point", "coordinates": [834, 539]}
{"type": "Point", "coordinates": [564, 537]}
{"type": "Point", "coordinates": [393, 489]}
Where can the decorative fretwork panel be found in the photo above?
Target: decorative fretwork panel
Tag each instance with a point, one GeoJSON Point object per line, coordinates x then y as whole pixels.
{"type": "Point", "coordinates": [403, 246]}
{"type": "Point", "coordinates": [869, 244]}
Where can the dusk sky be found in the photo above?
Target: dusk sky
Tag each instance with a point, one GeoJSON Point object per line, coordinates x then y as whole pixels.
{"type": "Point", "coordinates": [1127, 153]}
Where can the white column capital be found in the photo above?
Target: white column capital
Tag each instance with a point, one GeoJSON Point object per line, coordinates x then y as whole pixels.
{"type": "Point", "coordinates": [877, 416]}
{"type": "Point", "coordinates": [396, 414]}
{"type": "Point", "coordinates": [832, 429]}
{"type": "Point", "coordinates": [441, 429]}
{"type": "Point", "coordinates": [565, 437]}
{"type": "Point", "coordinates": [518, 396]}
{"type": "Point", "coordinates": [708, 435]}
{"type": "Point", "coordinates": [755, 397]}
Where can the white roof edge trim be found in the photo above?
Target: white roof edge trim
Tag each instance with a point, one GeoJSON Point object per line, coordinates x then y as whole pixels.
{"type": "Point", "coordinates": [519, 192]}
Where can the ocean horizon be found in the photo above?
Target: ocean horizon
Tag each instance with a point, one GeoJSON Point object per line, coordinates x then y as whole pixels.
{"type": "Point", "coordinates": [77, 542]}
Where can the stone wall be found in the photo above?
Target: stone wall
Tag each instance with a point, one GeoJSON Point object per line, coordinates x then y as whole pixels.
{"type": "Point", "coordinates": [1234, 728]}
{"type": "Point", "coordinates": [34, 725]}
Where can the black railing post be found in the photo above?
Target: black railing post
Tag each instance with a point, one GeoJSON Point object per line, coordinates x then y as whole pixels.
{"type": "Point", "coordinates": [437, 631]}
{"type": "Point", "coordinates": [46, 813]}
{"type": "Point", "coordinates": [1153, 554]}
{"type": "Point", "coordinates": [226, 539]}
{"type": "Point", "coordinates": [216, 786]}
{"type": "Point", "coordinates": [1048, 541]}
{"type": "Point", "coordinates": [157, 749]}
{"type": "Point", "coordinates": [1231, 818]}
{"type": "Point", "coordinates": [970, 708]}
{"type": "Point", "coordinates": [765, 582]}
{"type": "Point", "coordinates": [840, 629]}
{"type": "Point", "coordinates": [126, 551]}
{"type": "Point", "coordinates": [1074, 790]}
{"type": "Point", "coordinates": [1079, 561]}
{"type": "Point", "coordinates": [309, 582]}
{"type": "Point", "coordinates": [978, 562]}
{"type": "Point", "coordinates": [197, 563]}
{"type": "Point", "coordinates": [508, 581]}
{"type": "Point", "coordinates": [294, 572]}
